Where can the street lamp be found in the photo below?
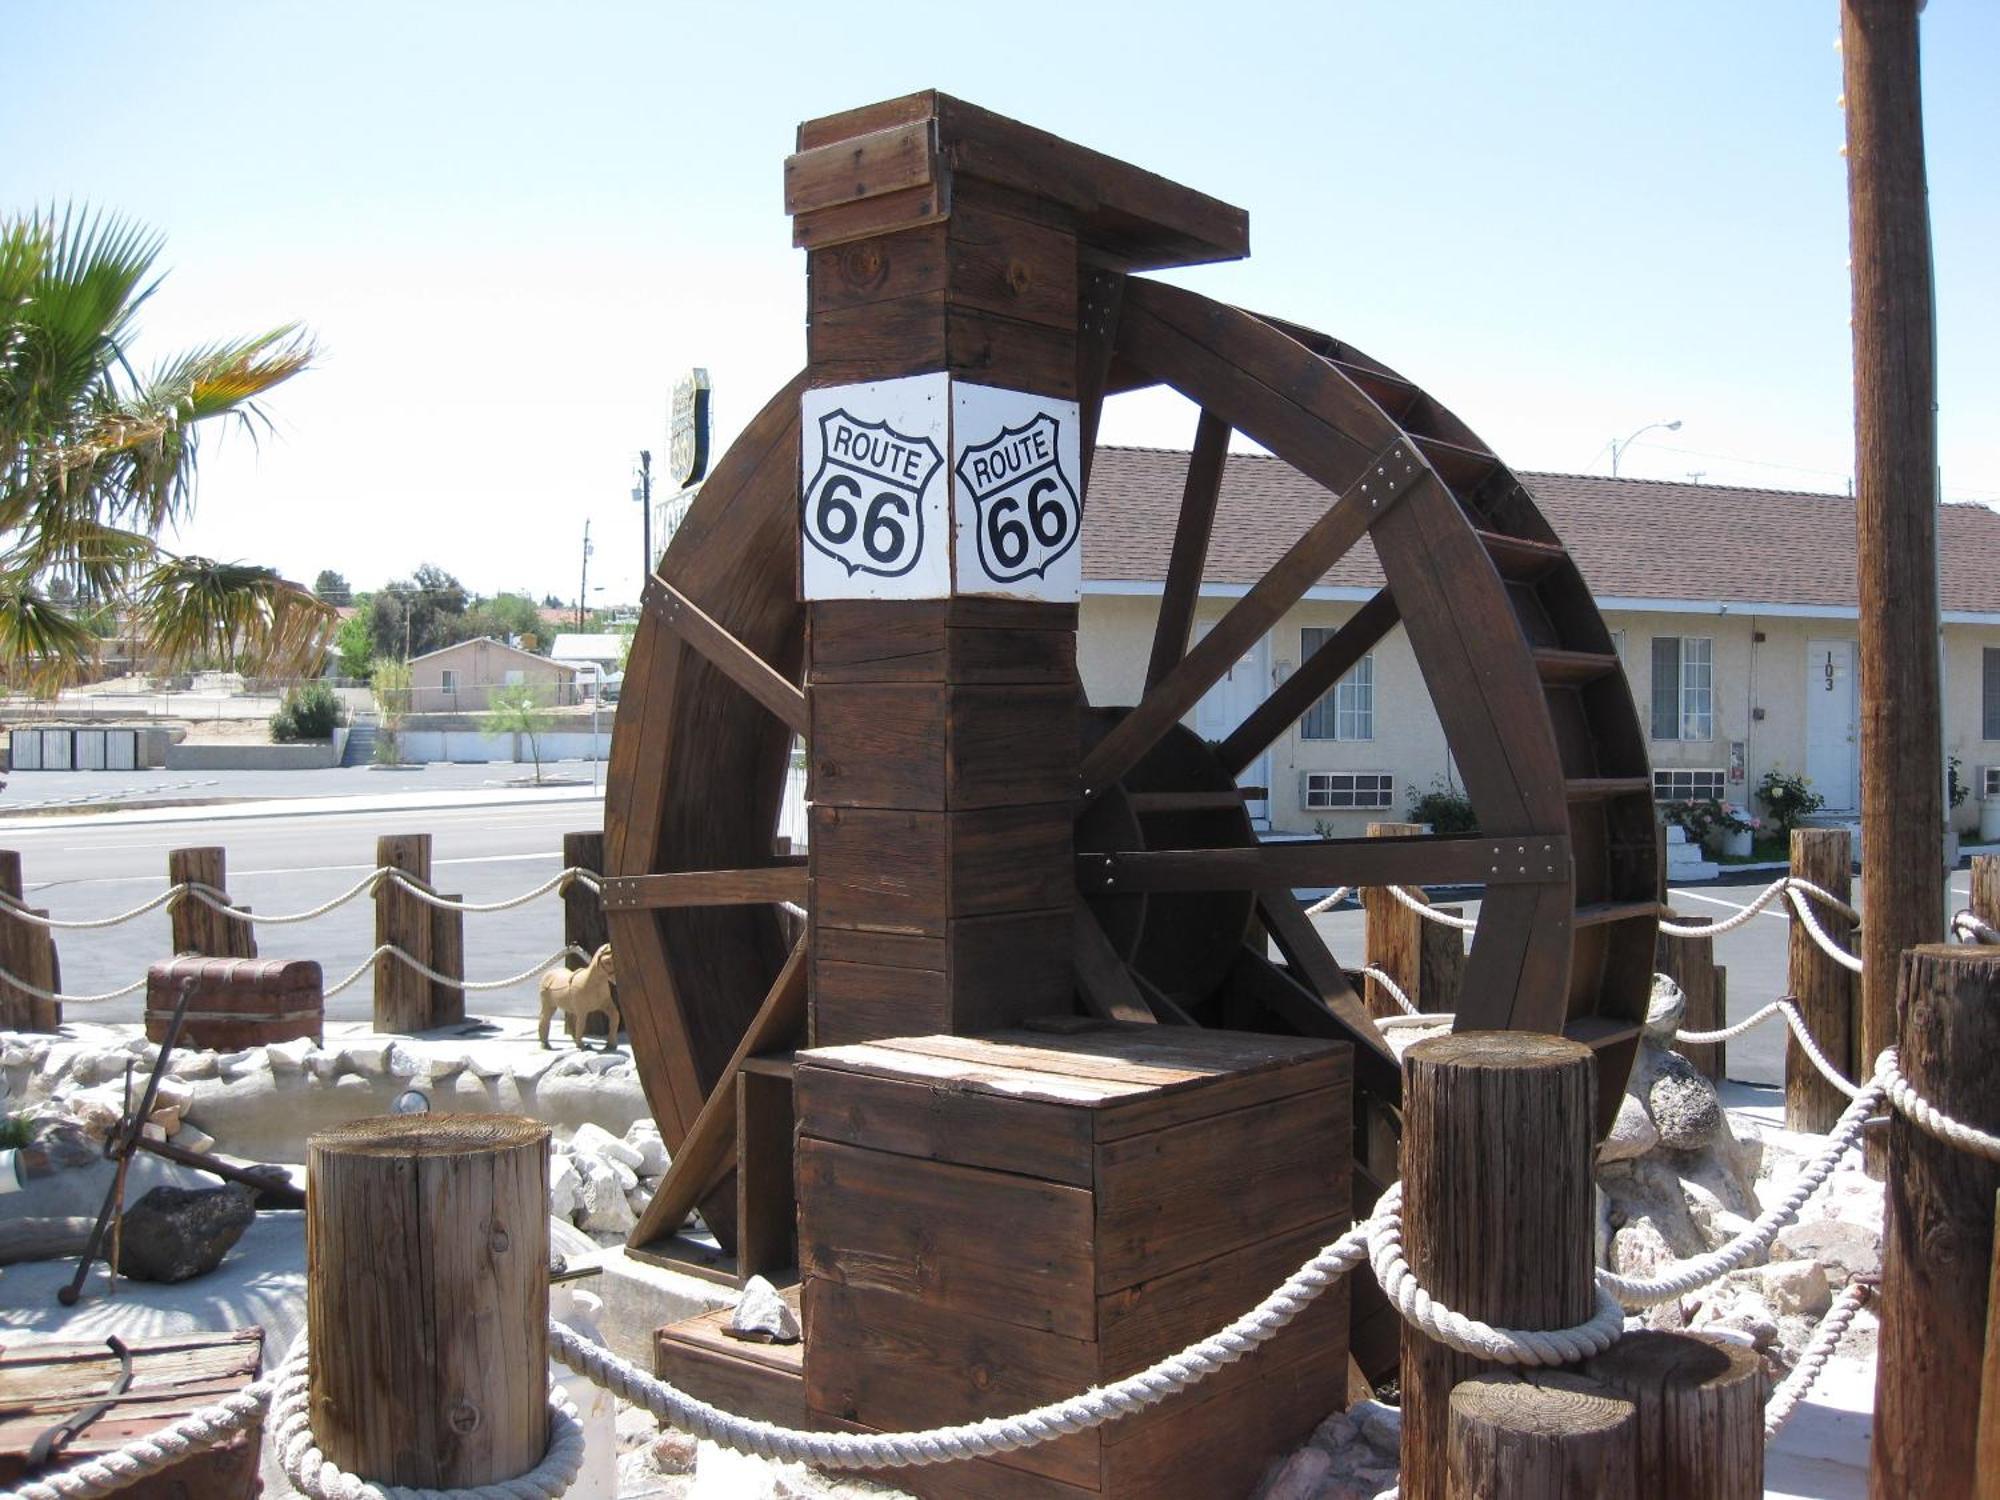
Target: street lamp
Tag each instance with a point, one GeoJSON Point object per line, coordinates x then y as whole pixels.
{"type": "Point", "coordinates": [643, 493]}
{"type": "Point", "coordinates": [1618, 448]}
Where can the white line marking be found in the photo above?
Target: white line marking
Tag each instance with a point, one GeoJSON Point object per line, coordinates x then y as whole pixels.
{"type": "Point", "coordinates": [1770, 911]}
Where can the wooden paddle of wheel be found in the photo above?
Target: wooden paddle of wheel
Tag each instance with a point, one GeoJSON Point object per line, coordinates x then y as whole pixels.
{"type": "Point", "coordinates": [1174, 896]}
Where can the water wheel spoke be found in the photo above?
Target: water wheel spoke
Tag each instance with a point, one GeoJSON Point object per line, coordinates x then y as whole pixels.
{"type": "Point", "coordinates": [1290, 700]}
{"type": "Point", "coordinates": [1448, 859]}
{"type": "Point", "coordinates": [1306, 954]}
{"type": "Point", "coordinates": [1190, 551]}
{"type": "Point", "coordinates": [784, 881]}
{"type": "Point", "coordinates": [708, 1152]}
{"type": "Point", "coordinates": [726, 653]}
{"type": "Point", "coordinates": [1102, 981]}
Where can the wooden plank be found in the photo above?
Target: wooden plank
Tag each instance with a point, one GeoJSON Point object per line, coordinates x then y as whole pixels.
{"type": "Point", "coordinates": [876, 745]}
{"type": "Point", "coordinates": [1287, 703]}
{"type": "Point", "coordinates": [703, 1156]}
{"type": "Point", "coordinates": [1017, 1249]}
{"type": "Point", "coordinates": [786, 882]}
{"type": "Point", "coordinates": [764, 1381]}
{"type": "Point", "coordinates": [766, 1203]}
{"type": "Point", "coordinates": [1009, 968]}
{"type": "Point", "coordinates": [879, 269]}
{"type": "Point", "coordinates": [1182, 589]}
{"type": "Point", "coordinates": [881, 869]}
{"type": "Point", "coordinates": [892, 159]}
{"type": "Point", "coordinates": [869, 218]}
{"type": "Point", "coordinates": [1010, 746]}
{"type": "Point", "coordinates": [1574, 668]}
{"type": "Point", "coordinates": [1440, 859]}
{"type": "Point", "coordinates": [735, 660]}
{"type": "Point", "coordinates": [1003, 264]}
{"type": "Point", "coordinates": [1102, 980]}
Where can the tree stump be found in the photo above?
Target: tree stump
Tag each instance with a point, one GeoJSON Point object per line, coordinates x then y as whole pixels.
{"type": "Point", "coordinates": [1828, 994]}
{"type": "Point", "coordinates": [1700, 1414]}
{"type": "Point", "coordinates": [1550, 1435]}
{"type": "Point", "coordinates": [1497, 1208]}
{"type": "Point", "coordinates": [402, 993]}
{"type": "Point", "coordinates": [427, 1261]}
{"type": "Point", "coordinates": [1937, 1245]}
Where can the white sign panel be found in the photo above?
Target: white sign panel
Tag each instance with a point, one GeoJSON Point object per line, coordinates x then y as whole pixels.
{"type": "Point", "coordinates": [874, 515]}
{"type": "Point", "coordinates": [1017, 510]}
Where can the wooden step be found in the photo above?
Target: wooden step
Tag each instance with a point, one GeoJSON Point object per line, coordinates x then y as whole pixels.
{"type": "Point", "coordinates": [1601, 788]}
{"type": "Point", "coordinates": [1600, 1032]}
{"type": "Point", "coordinates": [766, 1381]}
{"type": "Point", "coordinates": [1573, 668]}
{"type": "Point", "coordinates": [1598, 913]}
{"type": "Point", "coordinates": [1392, 393]}
{"type": "Point", "coordinates": [1462, 468]}
{"type": "Point", "coordinates": [1518, 559]}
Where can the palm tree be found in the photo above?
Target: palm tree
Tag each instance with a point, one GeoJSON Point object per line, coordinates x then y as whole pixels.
{"type": "Point", "coordinates": [96, 460]}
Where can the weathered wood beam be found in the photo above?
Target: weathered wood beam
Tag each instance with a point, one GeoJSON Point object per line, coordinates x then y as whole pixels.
{"type": "Point", "coordinates": [1331, 661]}
{"type": "Point", "coordinates": [1190, 550]}
{"type": "Point", "coordinates": [1102, 979]}
{"type": "Point", "coordinates": [726, 653]}
{"type": "Point", "coordinates": [1457, 859]}
{"type": "Point", "coordinates": [786, 882]}
{"type": "Point", "coordinates": [1375, 1067]}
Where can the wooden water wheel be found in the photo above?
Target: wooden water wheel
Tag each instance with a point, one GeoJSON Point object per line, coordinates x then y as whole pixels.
{"type": "Point", "coordinates": [1176, 895]}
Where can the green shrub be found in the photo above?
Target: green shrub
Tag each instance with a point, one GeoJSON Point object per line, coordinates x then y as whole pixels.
{"type": "Point", "coordinates": [1444, 807]}
{"type": "Point", "coordinates": [1790, 798]}
{"type": "Point", "coordinates": [15, 1132]}
{"type": "Point", "coordinates": [311, 711]}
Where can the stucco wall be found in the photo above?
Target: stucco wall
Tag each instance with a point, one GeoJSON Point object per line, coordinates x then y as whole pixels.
{"type": "Point", "coordinates": [481, 666]}
{"type": "Point", "coordinates": [1749, 673]}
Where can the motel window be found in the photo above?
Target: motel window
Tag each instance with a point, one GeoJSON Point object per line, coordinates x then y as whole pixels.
{"type": "Point", "coordinates": [1989, 715]}
{"type": "Point", "coordinates": [1683, 687]}
{"type": "Point", "coordinates": [450, 679]}
{"type": "Point", "coordinates": [1348, 712]}
{"type": "Point", "coordinates": [1346, 789]}
{"type": "Point", "coordinates": [1691, 786]}
{"type": "Point", "coordinates": [516, 677]}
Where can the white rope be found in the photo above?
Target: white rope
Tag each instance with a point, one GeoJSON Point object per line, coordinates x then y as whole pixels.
{"type": "Point", "coordinates": [20, 913]}
{"type": "Point", "coordinates": [314, 1475]}
{"type": "Point", "coordinates": [1785, 1398]}
{"type": "Point", "coordinates": [1925, 1115]}
{"type": "Point", "coordinates": [1430, 913]}
{"type": "Point", "coordinates": [1395, 990]}
{"type": "Point", "coordinates": [16, 982]}
{"type": "Point", "coordinates": [1698, 1271]}
{"type": "Point", "coordinates": [1832, 950]}
{"type": "Point", "coordinates": [1968, 926]}
{"type": "Point", "coordinates": [1786, 1007]}
{"type": "Point", "coordinates": [217, 900]}
{"type": "Point", "coordinates": [1328, 902]}
{"type": "Point", "coordinates": [1509, 1346]}
{"type": "Point", "coordinates": [110, 1473]}
{"type": "Point", "coordinates": [794, 908]}
{"type": "Point", "coordinates": [1783, 885]}
{"type": "Point", "coordinates": [561, 881]}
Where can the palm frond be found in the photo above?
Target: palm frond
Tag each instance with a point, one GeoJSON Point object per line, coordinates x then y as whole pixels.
{"type": "Point", "coordinates": [43, 644]}
{"type": "Point", "coordinates": [194, 609]}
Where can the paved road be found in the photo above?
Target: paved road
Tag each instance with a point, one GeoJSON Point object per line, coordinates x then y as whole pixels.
{"type": "Point", "coordinates": [287, 863]}
{"type": "Point", "coordinates": [50, 791]}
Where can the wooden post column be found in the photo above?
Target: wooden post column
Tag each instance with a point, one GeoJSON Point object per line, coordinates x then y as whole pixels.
{"type": "Point", "coordinates": [403, 1000]}
{"type": "Point", "coordinates": [956, 354]}
{"type": "Point", "coordinates": [1828, 993]}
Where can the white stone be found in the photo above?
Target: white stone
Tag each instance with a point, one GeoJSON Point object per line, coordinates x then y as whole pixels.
{"type": "Point", "coordinates": [565, 1186]}
{"type": "Point", "coordinates": [640, 1198]}
{"type": "Point", "coordinates": [368, 1058]}
{"type": "Point", "coordinates": [403, 1062]}
{"type": "Point", "coordinates": [1664, 1011]}
{"type": "Point", "coordinates": [193, 1065]}
{"type": "Point", "coordinates": [1639, 1249]}
{"type": "Point", "coordinates": [1302, 1476]}
{"type": "Point", "coordinates": [290, 1057]}
{"type": "Point", "coordinates": [760, 1310]}
{"type": "Point", "coordinates": [601, 1142]}
{"type": "Point", "coordinates": [194, 1138]}
{"type": "Point", "coordinates": [644, 1138]}
{"type": "Point", "coordinates": [1632, 1133]}
{"type": "Point", "coordinates": [1797, 1288]}
{"type": "Point", "coordinates": [605, 1209]}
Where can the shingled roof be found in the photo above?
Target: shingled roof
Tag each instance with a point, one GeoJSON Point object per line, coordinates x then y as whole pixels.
{"type": "Point", "coordinates": [1634, 539]}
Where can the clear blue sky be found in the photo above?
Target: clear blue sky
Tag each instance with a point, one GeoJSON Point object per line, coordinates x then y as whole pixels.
{"type": "Point", "coordinates": [510, 225]}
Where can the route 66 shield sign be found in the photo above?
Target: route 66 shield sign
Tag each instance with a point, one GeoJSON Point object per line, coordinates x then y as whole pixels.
{"type": "Point", "coordinates": [1015, 502]}
{"type": "Point", "coordinates": [872, 504]}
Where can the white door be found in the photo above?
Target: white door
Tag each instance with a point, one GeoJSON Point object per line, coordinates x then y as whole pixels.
{"type": "Point", "coordinates": [1833, 740]}
{"type": "Point", "coordinates": [1229, 703]}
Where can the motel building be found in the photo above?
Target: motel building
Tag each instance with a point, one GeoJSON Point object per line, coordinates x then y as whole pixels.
{"type": "Point", "coordinates": [1733, 610]}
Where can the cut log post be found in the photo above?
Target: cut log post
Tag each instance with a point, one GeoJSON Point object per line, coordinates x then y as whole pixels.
{"type": "Point", "coordinates": [1829, 995]}
{"type": "Point", "coordinates": [28, 952]}
{"type": "Point", "coordinates": [1985, 902]}
{"type": "Point", "coordinates": [1690, 963]}
{"type": "Point", "coordinates": [1937, 1250]}
{"type": "Point", "coordinates": [403, 993]}
{"type": "Point", "coordinates": [584, 924]}
{"type": "Point", "coordinates": [1700, 1406]}
{"type": "Point", "coordinates": [447, 957]}
{"type": "Point", "coordinates": [427, 1246]}
{"type": "Point", "coordinates": [1552, 1435]}
{"type": "Point", "coordinates": [1988, 1455]}
{"type": "Point", "coordinates": [1497, 1208]}
{"type": "Point", "coordinates": [197, 926]}
{"type": "Point", "coordinates": [1440, 964]}
{"type": "Point", "coordinates": [1393, 936]}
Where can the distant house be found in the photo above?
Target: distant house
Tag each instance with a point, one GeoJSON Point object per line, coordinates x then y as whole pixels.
{"type": "Point", "coordinates": [595, 658]}
{"type": "Point", "coordinates": [1734, 612]}
{"type": "Point", "coordinates": [462, 677]}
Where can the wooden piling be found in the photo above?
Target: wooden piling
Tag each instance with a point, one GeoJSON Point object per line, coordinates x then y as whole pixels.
{"type": "Point", "coordinates": [1987, 1458]}
{"type": "Point", "coordinates": [28, 952]}
{"type": "Point", "coordinates": [1985, 902]}
{"type": "Point", "coordinates": [1392, 936]}
{"type": "Point", "coordinates": [196, 926]}
{"type": "Point", "coordinates": [427, 1247]}
{"type": "Point", "coordinates": [1551, 1435]}
{"type": "Point", "coordinates": [1497, 1208]}
{"type": "Point", "coordinates": [403, 994]}
{"type": "Point", "coordinates": [1938, 1239]}
{"type": "Point", "coordinates": [1700, 1414]}
{"type": "Point", "coordinates": [1829, 995]}
{"type": "Point", "coordinates": [1690, 963]}
{"type": "Point", "coordinates": [447, 957]}
{"type": "Point", "coordinates": [583, 908]}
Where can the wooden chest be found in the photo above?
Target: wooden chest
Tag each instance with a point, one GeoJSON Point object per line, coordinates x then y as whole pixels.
{"type": "Point", "coordinates": [237, 1002]}
{"type": "Point", "coordinates": [45, 1381]}
{"type": "Point", "coordinates": [990, 1223]}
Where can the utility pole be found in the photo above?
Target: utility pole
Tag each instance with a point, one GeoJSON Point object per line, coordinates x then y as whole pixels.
{"type": "Point", "coordinates": [583, 583]}
{"type": "Point", "coordinates": [644, 495]}
{"type": "Point", "coordinates": [1895, 431]}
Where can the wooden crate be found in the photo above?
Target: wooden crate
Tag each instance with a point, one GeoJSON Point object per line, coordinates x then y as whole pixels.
{"type": "Point", "coordinates": [989, 1223]}
{"type": "Point", "coordinates": [237, 1002]}
{"type": "Point", "coordinates": [43, 1381]}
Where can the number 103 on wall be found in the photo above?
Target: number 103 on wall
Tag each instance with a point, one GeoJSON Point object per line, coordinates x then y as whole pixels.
{"type": "Point", "coordinates": [882, 515]}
